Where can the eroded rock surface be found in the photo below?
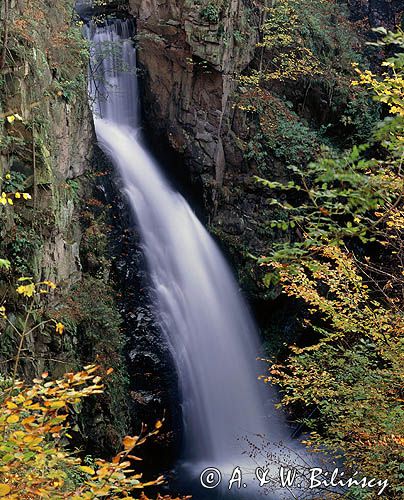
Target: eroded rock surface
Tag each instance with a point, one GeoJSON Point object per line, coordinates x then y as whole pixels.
{"type": "Point", "coordinates": [190, 56]}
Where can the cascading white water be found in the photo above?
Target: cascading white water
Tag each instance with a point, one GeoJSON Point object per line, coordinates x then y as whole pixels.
{"type": "Point", "coordinates": [200, 310]}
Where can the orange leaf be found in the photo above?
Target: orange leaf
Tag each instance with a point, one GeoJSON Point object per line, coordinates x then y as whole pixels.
{"type": "Point", "coordinates": [129, 442]}
{"type": "Point", "coordinates": [55, 404]}
{"type": "Point", "coordinates": [28, 420]}
{"type": "Point", "coordinates": [59, 328]}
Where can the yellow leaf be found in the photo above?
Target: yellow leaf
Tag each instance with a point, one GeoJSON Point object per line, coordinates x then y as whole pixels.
{"type": "Point", "coordinates": [104, 471]}
{"type": "Point", "coordinates": [50, 284]}
{"type": "Point", "coordinates": [26, 290]}
{"type": "Point", "coordinates": [29, 438]}
{"type": "Point", "coordinates": [55, 404]}
{"type": "Point", "coordinates": [159, 424]}
{"type": "Point", "coordinates": [13, 419]}
{"type": "Point", "coordinates": [59, 328]}
{"type": "Point", "coordinates": [35, 442]}
{"type": "Point", "coordinates": [35, 406]}
{"type": "Point", "coordinates": [87, 470]}
{"type": "Point", "coordinates": [28, 420]}
{"type": "Point", "coordinates": [102, 491]}
{"type": "Point", "coordinates": [10, 118]}
{"type": "Point", "coordinates": [4, 490]}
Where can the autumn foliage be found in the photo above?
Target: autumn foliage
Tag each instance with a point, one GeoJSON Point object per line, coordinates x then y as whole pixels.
{"type": "Point", "coordinates": [342, 258]}
{"type": "Point", "coordinates": [35, 462]}
{"type": "Point", "coordinates": [36, 456]}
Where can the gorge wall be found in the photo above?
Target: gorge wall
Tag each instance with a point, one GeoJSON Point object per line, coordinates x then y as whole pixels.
{"type": "Point", "coordinates": [191, 55]}
{"type": "Point", "coordinates": [51, 141]}
{"type": "Point", "coordinates": [47, 149]}
{"type": "Point", "coordinates": [76, 232]}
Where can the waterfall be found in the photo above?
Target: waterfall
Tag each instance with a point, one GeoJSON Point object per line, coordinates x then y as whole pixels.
{"type": "Point", "coordinates": [197, 303]}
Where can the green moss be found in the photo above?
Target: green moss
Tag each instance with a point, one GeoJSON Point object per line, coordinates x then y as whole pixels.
{"type": "Point", "coordinates": [93, 332]}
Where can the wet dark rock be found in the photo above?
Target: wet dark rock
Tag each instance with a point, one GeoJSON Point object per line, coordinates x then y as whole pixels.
{"type": "Point", "coordinates": [378, 12]}
{"type": "Point", "coordinates": [232, 224]}
{"type": "Point", "coordinates": [153, 387]}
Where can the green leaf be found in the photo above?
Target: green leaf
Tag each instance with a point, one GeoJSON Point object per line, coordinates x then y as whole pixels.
{"type": "Point", "coordinates": [4, 263]}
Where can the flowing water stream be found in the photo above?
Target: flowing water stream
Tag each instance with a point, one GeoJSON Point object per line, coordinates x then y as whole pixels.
{"type": "Point", "coordinates": [200, 310]}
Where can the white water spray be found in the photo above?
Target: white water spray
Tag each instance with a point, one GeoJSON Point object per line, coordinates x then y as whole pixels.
{"type": "Point", "coordinates": [200, 310]}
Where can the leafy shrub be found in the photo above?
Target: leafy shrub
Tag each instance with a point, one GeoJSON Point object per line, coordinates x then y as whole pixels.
{"type": "Point", "coordinates": [34, 461]}
{"type": "Point", "coordinates": [303, 72]}
{"type": "Point", "coordinates": [343, 261]}
{"type": "Point", "coordinates": [349, 195]}
{"type": "Point", "coordinates": [210, 13]}
{"type": "Point", "coordinates": [280, 134]}
{"type": "Point", "coordinates": [93, 323]}
{"type": "Point", "coordinates": [293, 142]}
{"type": "Point", "coordinates": [348, 384]}
{"type": "Point", "coordinates": [305, 40]}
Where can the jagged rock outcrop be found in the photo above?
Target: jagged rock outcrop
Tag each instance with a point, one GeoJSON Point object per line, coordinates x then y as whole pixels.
{"type": "Point", "coordinates": [50, 143]}
{"type": "Point", "coordinates": [190, 53]}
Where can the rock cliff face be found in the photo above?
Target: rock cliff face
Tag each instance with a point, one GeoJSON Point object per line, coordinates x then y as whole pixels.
{"type": "Point", "coordinates": [51, 146]}
{"type": "Point", "coordinates": [46, 148]}
{"type": "Point", "coordinates": [190, 53]}
{"type": "Point", "coordinates": [377, 12]}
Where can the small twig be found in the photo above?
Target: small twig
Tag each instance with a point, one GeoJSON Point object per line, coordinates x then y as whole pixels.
{"type": "Point", "coordinates": [36, 358]}
{"type": "Point", "coordinates": [34, 166]}
{"type": "Point", "coordinates": [20, 345]}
